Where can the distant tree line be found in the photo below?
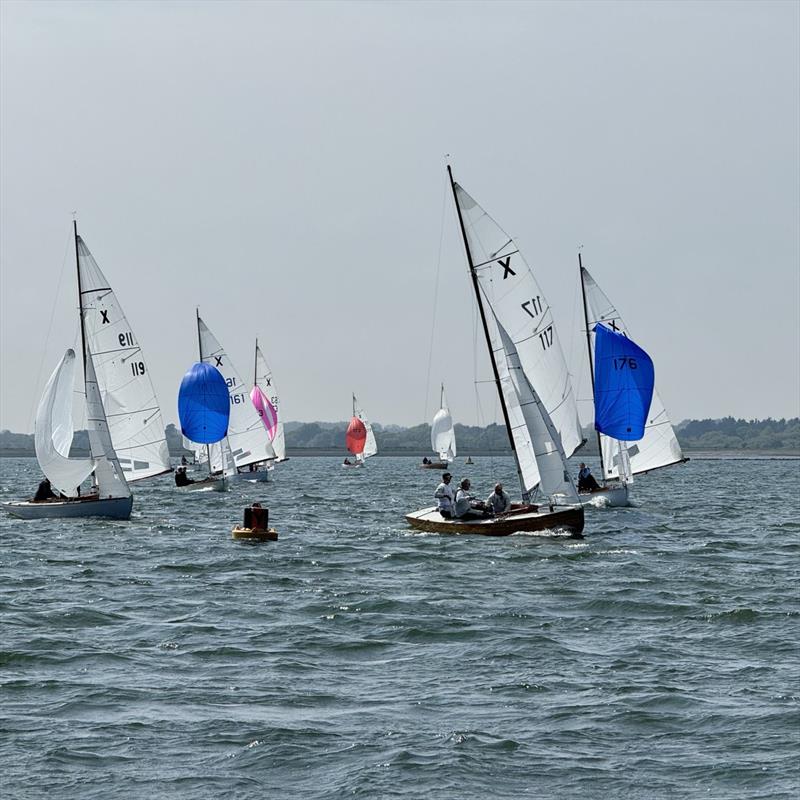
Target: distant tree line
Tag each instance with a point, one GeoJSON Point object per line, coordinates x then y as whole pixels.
{"type": "Point", "coordinates": [706, 434]}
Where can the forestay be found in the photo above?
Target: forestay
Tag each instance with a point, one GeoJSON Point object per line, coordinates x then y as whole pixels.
{"type": "Point", "coordinates": [248, 440]}
{"type": "Point", "coordinates": [659, 446]}
{"type": "Point", "coordinates": [521, 308]}
{"type": "Point", "coordinates": [54, 431]}
{"type": "Point", "coordinates": [131, 407]}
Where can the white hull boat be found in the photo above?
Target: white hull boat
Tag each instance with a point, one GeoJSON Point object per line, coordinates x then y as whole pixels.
{"type": "Point", "coordinates": [113, 507]}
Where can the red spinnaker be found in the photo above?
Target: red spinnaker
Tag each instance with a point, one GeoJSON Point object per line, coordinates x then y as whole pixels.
{"type": "Point", "coordinates": [356, 436]}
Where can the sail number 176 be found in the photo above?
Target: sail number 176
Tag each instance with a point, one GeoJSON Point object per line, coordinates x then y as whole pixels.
{"type": "Point", "coordinates": [622, 363]}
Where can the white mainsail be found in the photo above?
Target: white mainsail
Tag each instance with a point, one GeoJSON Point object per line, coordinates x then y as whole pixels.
{"type": "Point", "coordinates": [131, 407]}
{"type": "Point", "coordinates": [518, 303]}
{"type": "Point", "coordinates": [266, 382]}
{"type": "Point", "coordinates": [370, 445]}
{"type": "Point", "coordinates": [659, 447]}
{"type": "Point", "coordinates": [54, 431]}
{"type": "Point", "coordinates": [248, 440]}
{"type": "Point", "coordinates": [443, 435]}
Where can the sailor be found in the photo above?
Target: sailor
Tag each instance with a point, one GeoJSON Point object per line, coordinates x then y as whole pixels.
{"type": "Point", "coordinates": [181, 478]}
{"type": "Point", "coordinates": [44, 492]}
{"type": "Point", "coordinates": [499, 501]}
{"type": "Point", "coordinates": [586, 481]}
{"type": "Point", "coordinates": [466, 506]}
{"type": "Point", "coordinates": [445, 496]}
{"type": "Point", "coordinates": [347, 462]}
{"type": "Point", "coordinates": [426, 460]}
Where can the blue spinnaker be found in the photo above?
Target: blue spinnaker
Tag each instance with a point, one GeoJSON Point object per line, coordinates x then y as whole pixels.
{"type": "Point", "coordinates": [623, 385]}
{"type": "Point", "coordinates": [203, 404]}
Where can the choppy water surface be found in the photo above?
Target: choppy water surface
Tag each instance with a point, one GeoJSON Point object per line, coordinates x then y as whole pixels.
{"type": "Point", "coordinates": [656, 658]}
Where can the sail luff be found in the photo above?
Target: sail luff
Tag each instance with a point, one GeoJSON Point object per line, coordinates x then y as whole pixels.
{"type": "Point", "coordinates": [488, 338]}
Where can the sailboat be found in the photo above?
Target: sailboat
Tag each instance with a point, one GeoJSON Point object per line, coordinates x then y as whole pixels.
{"type": "Point", "coordinates": [249, 442]}
{"type": "Point", "coordinates": [126, 433]}
{"type": "Point", "coordinates": [532, 382]}
{"type": "Point", "coordinates": [658, 446]}
{"type": "Point", "coordinates": [204, 413]}
{"type": "Point", "coordinates": [359, 438]}
{"type": "Point", "coordinates": [443, 436]}
{"type": "Point", "coordinates": [264, 396]}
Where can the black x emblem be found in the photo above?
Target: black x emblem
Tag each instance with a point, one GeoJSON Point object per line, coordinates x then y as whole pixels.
{"type": "Point", "coordinates": [505, 265]}
{"type": "Point", "coordinates": [219, 361]}
{"type": "Point", "coordinates": [269, 382]}
{"type": "Point", "coordinates": [613, 324]}
{"type": "Point", "coordinates": [106, 320]}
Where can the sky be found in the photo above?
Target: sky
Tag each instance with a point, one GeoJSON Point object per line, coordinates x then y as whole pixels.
{"type": "Point", "coordinates": [281, 167]}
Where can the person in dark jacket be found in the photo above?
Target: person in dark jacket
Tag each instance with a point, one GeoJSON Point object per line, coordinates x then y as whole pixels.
{"type": "Point", "coordinates": [44, 492]}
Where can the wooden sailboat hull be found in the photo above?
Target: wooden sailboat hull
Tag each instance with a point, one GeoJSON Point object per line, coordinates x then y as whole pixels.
{"type": "Point", "coordinates": [525, 520]}
{"type": "Point", "coordinates": [113, 507]}
{"type": "Point", "coordinates": [615, 495]}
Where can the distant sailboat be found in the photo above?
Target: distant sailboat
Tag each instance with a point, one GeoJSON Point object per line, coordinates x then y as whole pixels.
{"type": "Point", "coordinates": [359, 438]}
{"type": "Point", "coordinates": [204, 413]}
{"type": "Point", "coordinates": [264, 396]}
{"type": "Point", "coordinates": [532, 382]}
{"type": "Point", "coordinates": [658, 445]}
{"type": "Point", "coordinates": [122, 411]}
{"type": "Point", "coordinates": [443, 436]}
{"type": "Point", "coordinates": [249, 442]}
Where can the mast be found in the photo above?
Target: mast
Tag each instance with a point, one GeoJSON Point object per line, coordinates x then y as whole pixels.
{"type": "Point", "coordinates": [476, 287]}
{"type": "Point", "coordinates": [80, 299]}
{"type": "Point", "coordinates": [255, 365]}
{"type": "Point", "coordinates": [589, 351]}
{"type": "Point", "coordinates": [441, 397]}
{"type": "Point", "coordinates": [200, 352]}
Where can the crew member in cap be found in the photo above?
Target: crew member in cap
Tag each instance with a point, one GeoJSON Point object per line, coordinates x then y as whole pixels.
{"type": "Point", "coordinates": [445, 497]}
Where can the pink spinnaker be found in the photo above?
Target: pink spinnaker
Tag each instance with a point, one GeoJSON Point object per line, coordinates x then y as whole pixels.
{"type": "Point", "coordinates": [267, 412]}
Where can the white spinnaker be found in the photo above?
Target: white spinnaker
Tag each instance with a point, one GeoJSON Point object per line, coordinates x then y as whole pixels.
{"type": "Point", "coordinates": [53, 431]}
{"type": "Point", "coordinates": [370, 445]}
{"type": "Point", "coordinates": [521, 308]}
{"type": "Point", "coordinates": [659, 447]}
{"type": "Point", "coordinates": [555, 480]}
{"type": "Point", "coordinates": [266, 382]}
{"type": "Point", "coordinates": [443, 435]}
{"type": "Point", "coordinates": [132, 411]}
{"type": "Point", "coordinates": [108, 472]}
{"type": "Point", "coordinates": [248, 440]}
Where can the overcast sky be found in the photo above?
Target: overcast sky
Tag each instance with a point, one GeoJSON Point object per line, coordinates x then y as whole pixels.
{"type": "Point", "coordinates": [282, 166]}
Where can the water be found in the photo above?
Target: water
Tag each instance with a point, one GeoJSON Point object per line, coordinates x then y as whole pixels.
{"type": "Point", "coordinates": [656, 658]}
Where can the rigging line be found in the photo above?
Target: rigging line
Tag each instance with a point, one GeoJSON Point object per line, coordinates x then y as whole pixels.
{"type": "Point", "coordinates": [35, 406]}
{"type": "Point", "coordinates": [435, 300]}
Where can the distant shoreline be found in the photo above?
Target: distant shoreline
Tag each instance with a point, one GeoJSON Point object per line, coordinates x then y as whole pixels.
{"type": "Point", "coordinates": [311, 452]}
